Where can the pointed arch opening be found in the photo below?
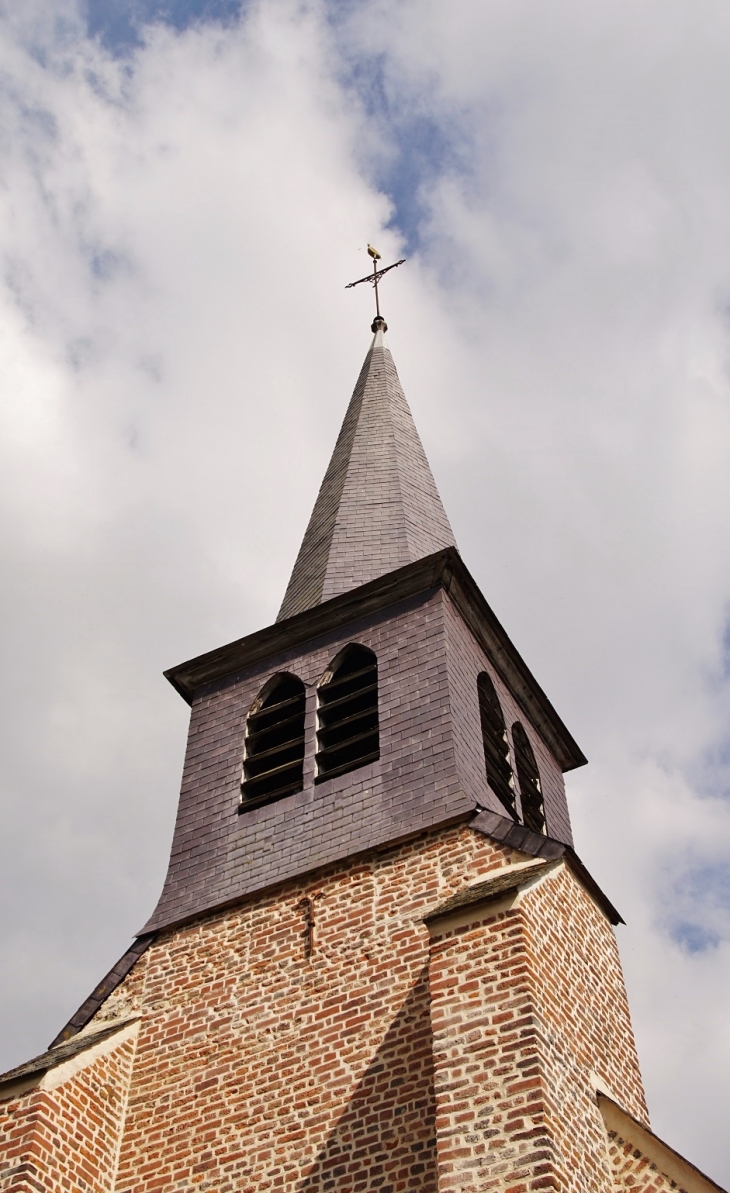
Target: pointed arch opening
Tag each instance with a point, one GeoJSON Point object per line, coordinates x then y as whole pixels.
{"type": "Point", "coordinates": [528, 777]}
{"type": "Point", "coordinates": [273, 764]}
{"type": "Point", "coordinates": [348, 734]}
{"type": "Point", "coordinates": [496, 745]}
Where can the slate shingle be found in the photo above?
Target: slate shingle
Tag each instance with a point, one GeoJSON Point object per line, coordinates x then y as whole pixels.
{"type": "Point", "coordinates": [378, 508]}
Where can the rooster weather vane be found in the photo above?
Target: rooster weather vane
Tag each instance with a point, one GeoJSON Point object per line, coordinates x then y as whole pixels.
{"type": "Point", "coordinates": [379, 323]}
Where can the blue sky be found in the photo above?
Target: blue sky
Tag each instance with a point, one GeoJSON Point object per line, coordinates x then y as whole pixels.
{"type": "Point", "coordinates": [420, 145]}
{"type": "Point", "coordinates": [119, 22]}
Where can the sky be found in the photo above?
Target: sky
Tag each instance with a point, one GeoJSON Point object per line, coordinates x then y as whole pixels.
{"type": "Point", "coordinates": [185, 189]}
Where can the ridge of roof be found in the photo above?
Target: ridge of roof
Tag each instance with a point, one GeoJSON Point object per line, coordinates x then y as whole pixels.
{"type": "Point", "coordinates": [378, 507]}
{"type": "Point", "coordinates": [101, 992]}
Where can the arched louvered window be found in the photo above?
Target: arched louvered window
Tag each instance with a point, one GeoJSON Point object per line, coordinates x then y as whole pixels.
{"type": "Point", "coordinates": [274, 745]}
{"type": "Point", "coordinates": [528, 777]}
{"type": "Point", "coordinates": [496, 746]}
{"type": "Point", "coordinates": [347, 735]}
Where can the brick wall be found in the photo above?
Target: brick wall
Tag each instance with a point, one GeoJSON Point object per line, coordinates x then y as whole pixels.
{"type": "Point", "coordinates": [64, 1134]}
{"type": "Point", "coordinates": [633, 1172]}
{"type": "Point", "coordinates": [276, 1055]}
{"type": "Point", "coordinates": [527, 1005]}
{"type": "Point", "coordinates": [584, 1014]}
{"type": "Point", "coordinates": [263, 1064]}
{"type": "Point", "coordinates": [261, 1068]}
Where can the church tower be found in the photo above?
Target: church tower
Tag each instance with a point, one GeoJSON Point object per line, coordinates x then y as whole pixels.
{"type": "Point", "coordinates": [377, 962]}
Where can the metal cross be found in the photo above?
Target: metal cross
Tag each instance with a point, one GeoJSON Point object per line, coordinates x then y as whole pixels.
{"type": "Point", "coordinates": [375, 277]}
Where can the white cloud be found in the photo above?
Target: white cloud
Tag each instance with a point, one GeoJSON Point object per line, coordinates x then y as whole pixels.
{"type": "Point", "coordinates": [178, 350]}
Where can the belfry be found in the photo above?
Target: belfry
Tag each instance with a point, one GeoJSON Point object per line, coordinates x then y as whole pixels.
{"type": "Point", "coordinates": [377, 964]}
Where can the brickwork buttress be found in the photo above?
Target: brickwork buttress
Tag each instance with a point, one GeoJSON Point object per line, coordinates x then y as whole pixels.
{"type": "Point", "coordinates": [67, 1136]}
{"type": "Point", "coordinates": [527, 1005]}
{"type": "Point", "coordinates": [267, 1061]}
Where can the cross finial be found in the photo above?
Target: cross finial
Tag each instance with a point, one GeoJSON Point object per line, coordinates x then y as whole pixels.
{"type": "Point", "coordinates": [379, 323]}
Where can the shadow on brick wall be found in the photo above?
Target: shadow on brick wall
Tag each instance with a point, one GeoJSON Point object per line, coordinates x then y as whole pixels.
{"type": "Point", "coordinates": [385, 1139]}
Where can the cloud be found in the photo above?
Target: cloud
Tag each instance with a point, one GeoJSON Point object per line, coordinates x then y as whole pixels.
{"type": "Point", "coordinates": [173, 313]}
{"type": "Point", "coordinates": [180, 218]}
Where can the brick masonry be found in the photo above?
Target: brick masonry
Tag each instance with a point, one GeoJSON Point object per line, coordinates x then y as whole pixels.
{"type": "Point", "coordinates": [529, 1013]}
{"type": "Point", "coordinates": [431, 767]}
{"type": "Point", "coordinates": [262, 1066]}
{"type": "Point", "coordinates": [368, 1057]}
{"type": "Point", "coordinates": [65, 1133]}
{"type": "Point", "coordinates": [633, 1170]}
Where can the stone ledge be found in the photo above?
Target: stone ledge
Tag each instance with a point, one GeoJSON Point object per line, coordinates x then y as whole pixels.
{"type": "Point", "coordinates": [503, 883]}
{"type": "Point", "coordinates": [55, 1056]}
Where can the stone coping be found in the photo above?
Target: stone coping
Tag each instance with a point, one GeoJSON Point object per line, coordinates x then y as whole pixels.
{"type": "Point", "coordinates": [62, 1052]}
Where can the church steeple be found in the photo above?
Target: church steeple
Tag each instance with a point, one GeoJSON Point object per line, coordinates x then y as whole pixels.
{"type": "Point", "coordinates": [373, 919]}
{"type": "Point", "coordinates": [378, 508]}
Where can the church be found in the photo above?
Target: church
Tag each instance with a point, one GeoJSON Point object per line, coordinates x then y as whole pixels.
{"type": "Point", "coordinates": [377, 964]}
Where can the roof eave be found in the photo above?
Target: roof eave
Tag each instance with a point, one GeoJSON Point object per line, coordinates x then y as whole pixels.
{"type": "Point", "coordinates": [444, 569]}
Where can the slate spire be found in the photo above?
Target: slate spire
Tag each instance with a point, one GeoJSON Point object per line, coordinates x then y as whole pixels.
{"type": "Point", "coordinates": [378, 508]}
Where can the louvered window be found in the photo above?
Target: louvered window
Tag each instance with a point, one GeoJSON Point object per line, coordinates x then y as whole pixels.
{"type": "Point", "coordinates": [274, 745]}
{"type": "Point", "coordinates": [496, 746]}
{"type": "Point", "coordinates": [347, 735]}
{"type": "Point", "coordinates": [528, 777]}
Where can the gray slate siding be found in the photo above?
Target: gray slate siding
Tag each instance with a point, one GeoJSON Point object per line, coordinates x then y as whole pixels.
{"type": "Point", "coordinates": [430, 771]}
{"type": "Point", "coordinates": [378, 511]}
{"type": "Point", "coordinates": [378, 508]}
{"type": "Point", "coordinates": [465, 661]}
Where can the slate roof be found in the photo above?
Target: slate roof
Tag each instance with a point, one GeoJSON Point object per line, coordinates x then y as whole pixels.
{"type": "Point", "coordinates": [378, 508]}
{"type": "Point", "coordinates": [444, 569]}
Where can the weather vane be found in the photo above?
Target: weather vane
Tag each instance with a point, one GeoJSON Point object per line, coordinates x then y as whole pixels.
{"type": "Point", "coordinates": [375, 277]}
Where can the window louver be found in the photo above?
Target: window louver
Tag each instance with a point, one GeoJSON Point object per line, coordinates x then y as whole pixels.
{"type": "Point", "coordinates": [274, 747]}
{"type": "Point", "coordinates": [528, 777]}
{"type": "Point", "coordinates": [496, 746]}
{"type": "Point", "coordinates": [348, 736]}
